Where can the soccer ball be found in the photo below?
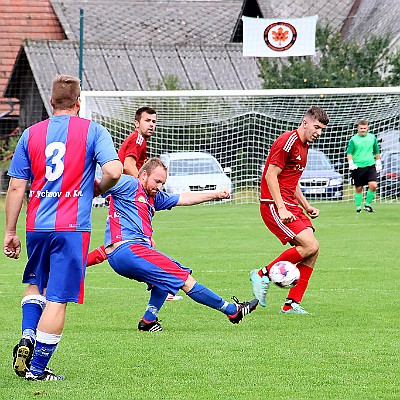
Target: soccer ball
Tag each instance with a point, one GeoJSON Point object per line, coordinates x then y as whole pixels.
{"type": "Point", "coordinates": [284, 274]}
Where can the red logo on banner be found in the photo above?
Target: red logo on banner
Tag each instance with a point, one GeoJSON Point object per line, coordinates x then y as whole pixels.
{"type": "Point", "coordinates": [280, 36]}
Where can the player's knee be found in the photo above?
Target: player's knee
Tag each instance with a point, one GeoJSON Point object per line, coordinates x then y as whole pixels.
{"type": "Point", "coordinates": [372, 186]}
{"type": "Point", "coordinates": [312, 248]}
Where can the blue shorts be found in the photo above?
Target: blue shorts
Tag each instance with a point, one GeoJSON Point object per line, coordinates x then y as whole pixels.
{"type": "Point", "coordinates": [57, 261]}
{"type": "Point", "coordinates": [138, 260]}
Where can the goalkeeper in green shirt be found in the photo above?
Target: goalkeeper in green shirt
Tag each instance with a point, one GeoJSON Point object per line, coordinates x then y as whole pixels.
{"type": "Point", "coordinates": [364, 159]}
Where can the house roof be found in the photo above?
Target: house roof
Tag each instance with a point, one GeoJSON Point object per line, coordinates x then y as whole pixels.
{"type": "Point", "coordinates": [145, 22]}
{"type": "Point", "coordinates": [330, 12]}
{"type": "Point", "coordinates": [127, 66]}
{"type": "Point", "coordinates": [375, 18]}
{"type": "Point", "coordinates": [19, 20]}
{"type": "Point", "coordinates": [184, 21]}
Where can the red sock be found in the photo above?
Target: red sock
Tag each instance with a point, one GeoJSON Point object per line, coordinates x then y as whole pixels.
{"type": "Point", "coordinates": [291, 255]}
{"type": "Point", "coordinates": [296, 293]}
{"type": "Point", "coordinates": [96, 256]}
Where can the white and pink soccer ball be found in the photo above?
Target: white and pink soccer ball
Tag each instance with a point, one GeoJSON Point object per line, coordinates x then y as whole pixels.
{"type": "Point", "coordinates": [284, 274]}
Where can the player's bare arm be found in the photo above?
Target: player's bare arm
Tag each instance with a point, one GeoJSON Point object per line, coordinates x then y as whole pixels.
{"type": "Point", "coordinates": [130, 167]}
{"type": "Point", "coordinates": [192, 198]}
{"type": "Point", "coordinates": [272, 181]}
{"type": "Point", "coordinates": [309, 209]}
{"type": "Point", "coordinates": [111, 171]}
{"type": "Point", "coordinates": [14, 199]}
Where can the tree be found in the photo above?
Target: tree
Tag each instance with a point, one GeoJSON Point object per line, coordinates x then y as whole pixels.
{"type": "Point", "coordinates": [337, 63]}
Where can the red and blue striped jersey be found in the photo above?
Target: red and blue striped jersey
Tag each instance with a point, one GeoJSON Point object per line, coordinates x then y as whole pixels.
{"type": "Point", "coordinates": [131, 211]}
{"type": "Point", "coordinates": [59, 156]}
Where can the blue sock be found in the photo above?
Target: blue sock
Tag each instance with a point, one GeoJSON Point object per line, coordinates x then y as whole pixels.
{"type": "Point", "coordinates": [32, 308]}
{"type": "Point", "coordinates": [157, 299]}
{"type": "Point", "coordinates": [203, 295]}
{"type": "Point", "coordinates": [41, 357]}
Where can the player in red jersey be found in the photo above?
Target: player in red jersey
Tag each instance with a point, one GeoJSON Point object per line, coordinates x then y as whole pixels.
{"type": "Point", "coordinates": [280, 200]}
{"type": "Point", "coordinates": [133, 152]}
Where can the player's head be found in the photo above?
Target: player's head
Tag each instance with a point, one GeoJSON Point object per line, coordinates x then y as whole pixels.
{"type": "Point", "coordinates": [65, 93]}
{"type": "Point", "coordinates": [152, 176]}
{"type": "Point", "coordinates": [318, 114]}
{"type": "Point", "coordinates": [362, 127]}
{"type": "Point", "coordinates": [313, 122]}
{"type": "Point", "coordinates": [145, 121]}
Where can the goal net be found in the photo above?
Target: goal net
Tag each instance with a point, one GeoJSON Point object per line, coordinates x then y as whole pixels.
{"type": "Point", "coordinates": [237, 128]}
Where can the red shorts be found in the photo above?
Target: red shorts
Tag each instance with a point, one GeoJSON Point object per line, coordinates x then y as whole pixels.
{"type": "Point", "coordinates": [284, 232]}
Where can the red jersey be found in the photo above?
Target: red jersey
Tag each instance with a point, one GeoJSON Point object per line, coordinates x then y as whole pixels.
{"type": "Point", "coordinates": [135, 146]}
{"type": "Point", "coordinates": [289, 153]}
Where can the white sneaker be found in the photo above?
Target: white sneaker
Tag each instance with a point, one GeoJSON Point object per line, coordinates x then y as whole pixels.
{"type": "Point", "coordinates": [260, 286]}
{"type": "Point", "coordinates": [171, 297]}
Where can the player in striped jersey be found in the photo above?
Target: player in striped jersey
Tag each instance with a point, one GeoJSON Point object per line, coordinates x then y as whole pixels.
{"type": "Point", "coordinates": [128, 242]}
{"type": "Point", "coordinates": [133, 154]}
{"type": "Point", "coordinates": [280, 200]}
{"type": "Point", "coordinates": [59, 155]}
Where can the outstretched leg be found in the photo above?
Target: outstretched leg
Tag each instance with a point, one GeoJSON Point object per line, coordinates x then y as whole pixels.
{"type": "Point", "coordinates": [201, 294]}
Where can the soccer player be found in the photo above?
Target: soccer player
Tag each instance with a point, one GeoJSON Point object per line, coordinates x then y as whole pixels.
{"type": "Point", "coordinates": [133, 154]}
{"type": "Point", "coordinates": [59, 155]}
{"type": "Point", "coordinates": [364, 158]}
{"type": "Point", "coordinates": [280, 200]}
{"type": "Point", "coordinates": [128, 243]}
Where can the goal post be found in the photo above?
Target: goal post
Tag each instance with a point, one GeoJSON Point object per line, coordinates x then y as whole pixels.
{"type": "Point", "coordinates": [237, 128]}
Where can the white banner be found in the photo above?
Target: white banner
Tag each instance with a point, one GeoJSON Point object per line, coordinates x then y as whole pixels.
{"type": "Point", "coordinates": [279, 37]}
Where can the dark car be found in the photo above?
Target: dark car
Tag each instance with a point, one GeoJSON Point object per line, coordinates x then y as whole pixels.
{"type": "Point", "coordinates": [389, 177]}
{"type": "Point", "coordinates": [320, 180]}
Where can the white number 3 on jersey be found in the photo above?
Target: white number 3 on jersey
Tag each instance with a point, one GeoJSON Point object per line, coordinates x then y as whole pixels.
{"type": "Point", "coordinates": [55, 151]}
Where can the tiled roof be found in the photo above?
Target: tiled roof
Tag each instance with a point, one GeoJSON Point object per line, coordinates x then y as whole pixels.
{"type": "Point", "coordinates": [180, 21]}
{"type": "Point", "coordinates": [21, 19]}
{"type": "Point", "coordinates": [144, 22]}
{"type": "Point", "coordinates": [112, 66]}
{"type": "Point", "coordinates": [375, 18]}
{"type": "Point", "coordinates": [330, 12]}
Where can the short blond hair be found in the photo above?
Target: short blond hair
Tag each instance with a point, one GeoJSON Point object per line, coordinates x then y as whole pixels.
{"type": "Point", "coordinates": [65, 92]}
{"type": "Point", "coordinates": [362, 122]}
{"type": "Point", "coordinates": [150, 165]}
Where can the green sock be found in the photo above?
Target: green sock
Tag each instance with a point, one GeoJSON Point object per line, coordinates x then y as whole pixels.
{"type": "Point", "coordinates": [369, 197]}
{"type": "Point", "coordinates": [358, 199]}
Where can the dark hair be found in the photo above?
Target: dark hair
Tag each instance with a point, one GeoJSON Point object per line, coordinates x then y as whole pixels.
{"type": "Point", "coordinates": [65, 91]}
{"type": "Point", "coordinates": [319, 114]}
{"type": "Point", "coordinates": [362, 122]}
{"type": "Point", "coordinates": [141, 110]}
{"type": "Point", "coordinates": [150, 165]}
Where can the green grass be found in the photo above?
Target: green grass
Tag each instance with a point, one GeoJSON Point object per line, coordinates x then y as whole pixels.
{"type": "Point", "coordinates": [347, 349]}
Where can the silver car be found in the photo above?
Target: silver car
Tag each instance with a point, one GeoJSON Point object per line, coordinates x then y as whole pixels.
{"type": "Point", "coordinates": [195, 171]}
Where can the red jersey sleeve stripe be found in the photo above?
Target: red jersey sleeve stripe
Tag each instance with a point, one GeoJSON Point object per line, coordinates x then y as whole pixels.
{"type": "Point", "coordinates": [289, 143]}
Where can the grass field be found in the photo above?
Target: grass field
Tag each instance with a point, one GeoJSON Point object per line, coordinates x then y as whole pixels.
{"type": "Point", "coordinates": [347, 349]}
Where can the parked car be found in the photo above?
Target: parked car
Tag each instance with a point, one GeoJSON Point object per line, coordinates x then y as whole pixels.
{"type": "Point", "coordinates": [98, 201]}
{"type": "Point", "coordinates": [320, 180]}
{"type": "Point", "coordinates": [389, 177]}
{"type": "Point", "coordinates": [195, 171]}
{"type": "Point", "coordinates": [389, 140]}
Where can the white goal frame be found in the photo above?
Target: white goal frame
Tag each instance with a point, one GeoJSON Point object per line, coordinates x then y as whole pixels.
{"type": "Point", "coordinates": [379, 105]}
